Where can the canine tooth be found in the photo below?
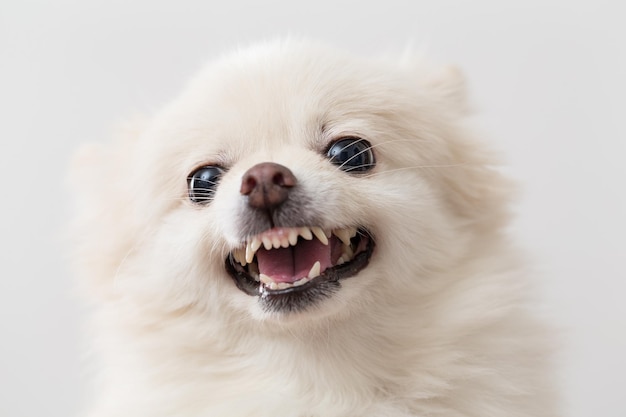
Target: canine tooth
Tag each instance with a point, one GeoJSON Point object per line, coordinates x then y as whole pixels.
{"type": "Point", "coordinates": [353, 232]}
{"type": "Point", "coordinates": [305, 232]}
{"type": "Point", "coordinates": [237, 255]}
{"type": "Point", "coordinates": [341, 260]}
{"type": "Point", "coordinates": [347, 252]}
{"type": "Point", "coordinates": [265, 279]}
{"type": "Point", "coordinates": [267, 243]}
{"type": "Point", "coordinates": [256, 244]}
{"type": "Point", "coordinates": [343, 235]}
{"type": "Point", "coordinates": [301, 281]}
{"type": "Point", "coordinates": [250, 252]}
{"type": "Point", "coordinates": [315, 270]}
{"type": "Point", "coordinates": [319, 233]}
{"type": "Point", "coordinates": [241, 254]}
{"type": "Point", "coordinates": [293, 237]}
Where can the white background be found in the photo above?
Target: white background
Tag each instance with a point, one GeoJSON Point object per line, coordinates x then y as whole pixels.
{"type": "Point", "coordinates": [546, 77]}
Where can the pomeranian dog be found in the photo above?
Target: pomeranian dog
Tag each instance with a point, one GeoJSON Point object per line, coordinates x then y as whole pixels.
{"type": "Point", "coordinates": [303, 233]}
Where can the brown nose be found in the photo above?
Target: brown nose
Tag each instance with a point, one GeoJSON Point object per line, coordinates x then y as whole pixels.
{"type": "Point", "coordinates": [267, 185]}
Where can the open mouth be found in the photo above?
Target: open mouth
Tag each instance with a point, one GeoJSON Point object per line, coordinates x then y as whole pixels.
{"type": "Point", "coordinates": [290, 268]}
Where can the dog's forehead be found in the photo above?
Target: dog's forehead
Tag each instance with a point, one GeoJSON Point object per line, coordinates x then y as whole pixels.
{"type": "Point", "coordinates": [241, 122]}
{"type": "Point", "coordinates": [247, 110]}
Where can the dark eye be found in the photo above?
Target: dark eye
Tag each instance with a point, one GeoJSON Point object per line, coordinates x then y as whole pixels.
{"type": "Point", "coordinates": [352, 154]}
{"type": "Point", "coordinates": [202, 183]}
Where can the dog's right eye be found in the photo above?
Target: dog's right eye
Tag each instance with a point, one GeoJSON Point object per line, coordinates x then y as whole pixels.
{"type": "Point", "coordinates": [202, 183]}
{"type": "Point", "coordinates": [352, 154]}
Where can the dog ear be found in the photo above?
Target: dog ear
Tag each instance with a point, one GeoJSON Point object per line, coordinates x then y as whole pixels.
{"type": "Point", "coordinates": [448, 84]}
{"type": "Point", "coordinates": [96, 169]}
{"type": "Point", "coordinates": [102, 229]}
{"type": "Point", "coordinates": [445, 84]}
{"type": "Point", "coordinates": [476, 190]}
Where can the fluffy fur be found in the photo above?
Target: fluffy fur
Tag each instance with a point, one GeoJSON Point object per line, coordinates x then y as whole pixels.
{"type": "Point", "coordinates": [436, 325]}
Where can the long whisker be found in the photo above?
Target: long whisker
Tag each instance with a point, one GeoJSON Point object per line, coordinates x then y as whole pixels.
{"type": "Point", "coordinates": [368, 149]}
{"type": "Point", "coordinates": [416, 167]}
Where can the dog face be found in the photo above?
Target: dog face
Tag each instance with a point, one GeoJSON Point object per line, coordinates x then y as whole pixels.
{"type": "Point", "coordinates": [289, 183]}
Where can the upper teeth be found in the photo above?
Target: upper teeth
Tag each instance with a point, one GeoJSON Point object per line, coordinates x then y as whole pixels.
{"type": "Point", "coordinates": [285, 237]}
{"type": "Point", "coordinates": [345, 235]}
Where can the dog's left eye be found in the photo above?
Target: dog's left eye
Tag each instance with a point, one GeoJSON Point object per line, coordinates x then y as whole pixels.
{"type": "Point", "coordinates": [203, 182]}
{"type": "Point", "coordinates": [352, 154]}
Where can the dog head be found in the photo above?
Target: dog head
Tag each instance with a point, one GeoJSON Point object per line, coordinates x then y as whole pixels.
{"type": "Point", "coordinates": [289, 182]}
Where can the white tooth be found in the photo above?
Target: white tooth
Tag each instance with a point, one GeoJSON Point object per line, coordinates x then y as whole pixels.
{"type": "Point", "coordinates": [250, 252]}
{"type": "Point", "coordinates": [276, 241]}
{"type": "Point", "coordinates": [284, 242]}
{"type": "Point", "coordinates": [237, 255]}
{"type": "Point", "coordinates": [256, 244]}
{"type": "Point", "coordinates": [305, 232]}
{"type": "Point", "coordinates": [347, 252]}
{"type": "Point", "coordinates": [293, 237]}
{"type": "Point", "coordinates": [319, 233]}
{"type": "Point", "coordinates": [343, 235]}
{"type": "Point", "coordinates": [241, 254]}
{"type": "Point", "coordinates": [341, 260]}
{"type": "Point", "coordinates": [301, 281]}
{"type": "Point", "coordinates": [267, 243]}
{"type": "Point", "coordinates": [353, 232]}
{"type": "Point", "coordinates": [273, 286]}
{"type": "Point", "coordinates": [265, 279]}
{"type": "Point", "coordinates": [283, 285]}
{"type": "Point", "coordinates": [315, 270]}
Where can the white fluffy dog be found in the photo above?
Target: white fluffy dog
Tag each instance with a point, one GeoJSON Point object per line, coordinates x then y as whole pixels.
{"type": "Point", "coordinates": [307, 234]}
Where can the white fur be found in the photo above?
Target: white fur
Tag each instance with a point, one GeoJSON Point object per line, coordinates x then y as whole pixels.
{"type": "Point", "coordinates": [436, 325]}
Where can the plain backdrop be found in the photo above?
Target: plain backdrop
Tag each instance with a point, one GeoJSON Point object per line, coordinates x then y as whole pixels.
{"type": "Point", "coordinates": [546, 77]}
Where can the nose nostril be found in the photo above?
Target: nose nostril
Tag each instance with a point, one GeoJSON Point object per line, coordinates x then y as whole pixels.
{"type": "Point", "coordinates": [278, 179]}
{"type": "Point", "coordinates": [248, 184]}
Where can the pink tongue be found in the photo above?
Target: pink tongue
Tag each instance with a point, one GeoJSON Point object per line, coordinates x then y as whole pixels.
{"type": "Point", "coordinates": [293, 263]}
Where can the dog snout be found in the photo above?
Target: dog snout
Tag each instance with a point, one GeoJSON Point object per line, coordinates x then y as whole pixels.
{"type": "Point", "coordinates": [267, 185]}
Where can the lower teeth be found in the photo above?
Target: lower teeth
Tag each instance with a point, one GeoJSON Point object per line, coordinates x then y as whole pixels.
{"type": "Point", "coordinates": [266, 282]}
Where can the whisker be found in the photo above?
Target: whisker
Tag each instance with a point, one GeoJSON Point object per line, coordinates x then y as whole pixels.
{"type": "Point", "coordinates": [368, 149]}
{"type": "Point", "coordinates": [415, 167]}
{"type": "Point", "coordinates": [358, 167]}
{"type": "Point", "coordinates": [340, 167]}
{"type": "Point", "coordinates": [210, 182]}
